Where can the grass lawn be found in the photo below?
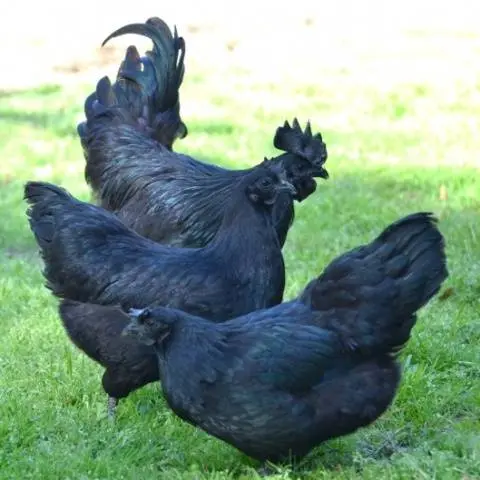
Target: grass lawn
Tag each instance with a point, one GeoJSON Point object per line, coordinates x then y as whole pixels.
{"type": "Point", "coordinates": [395, 146]}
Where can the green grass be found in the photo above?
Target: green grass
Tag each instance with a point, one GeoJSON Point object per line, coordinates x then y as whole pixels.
{"type": "Point", "coordinates": [392, 150]}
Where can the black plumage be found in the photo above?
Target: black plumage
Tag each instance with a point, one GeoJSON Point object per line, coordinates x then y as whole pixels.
{"type": "Point", "coordinates": [277, 382]}
{"type": "Point", "coordinates": [166, 196]}
{"type": "Point", "coordinates": [96, 330]}
{"type": "Point", "coordinates": [91, 256]}
{"type": "Point", "coordinates": [368, 282]}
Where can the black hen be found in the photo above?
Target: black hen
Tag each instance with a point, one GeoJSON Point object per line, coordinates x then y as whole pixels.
{"type": "Point", "coordinates": [277, 382]}
{"type": "Point", "coordinates": [340, 281]}
{"type": "Point", "coordinates": [168, 197]}
{"type": "Point", "coordinates": [90, 256]}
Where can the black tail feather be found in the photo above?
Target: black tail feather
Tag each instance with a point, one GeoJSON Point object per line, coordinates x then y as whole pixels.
{"type": "Point", "coordinates": [372, 293]}
{"type": "Point", "coordinates": [44, 199]}
{"type": "Point", "coordinates": [146, 91]}
{"type": "Point", "coordinates": [77, 242]}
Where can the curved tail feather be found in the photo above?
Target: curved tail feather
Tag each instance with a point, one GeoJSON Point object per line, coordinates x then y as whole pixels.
{"type": "Point", "coordinates": [371, 294]}
{"type": "Point", "coordinates": [146, 91]}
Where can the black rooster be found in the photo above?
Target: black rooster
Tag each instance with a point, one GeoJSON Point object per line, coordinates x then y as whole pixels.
{"type": "Point", "coordinates": [275, 383]}
{"type": "Point", "coordinates": [91, 256]}
{"type": "Point", "coordinates": [166, 196]}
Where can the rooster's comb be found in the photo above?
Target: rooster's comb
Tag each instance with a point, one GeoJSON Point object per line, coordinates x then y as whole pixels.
{"type": "Point", "coordinates": [291, 139]}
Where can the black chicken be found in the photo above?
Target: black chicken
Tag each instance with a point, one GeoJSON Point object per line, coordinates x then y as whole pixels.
{"type": "Point", "coordinates": [168, 197]}
{"type": "Point", "coordinates": [91, 256]}
{"type": "Point", "coordinates": [277, 382]}
{"type": "Point", "coordinates": [355, 289]}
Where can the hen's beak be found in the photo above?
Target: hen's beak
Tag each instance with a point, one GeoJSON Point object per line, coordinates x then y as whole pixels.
{"type": "Point", "coordinates": [284, 185]}
{"type": "Point", "coordinates": [135, 312]}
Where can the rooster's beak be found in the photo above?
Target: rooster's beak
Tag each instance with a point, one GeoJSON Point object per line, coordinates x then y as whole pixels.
{"type": "Point", "coordinates": [182, 131]}
{"type": "Point", "coordinates": [322, 173]}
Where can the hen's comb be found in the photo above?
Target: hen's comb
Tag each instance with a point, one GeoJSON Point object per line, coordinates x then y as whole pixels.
{"type": "Point", "coordinates": [291, 139]}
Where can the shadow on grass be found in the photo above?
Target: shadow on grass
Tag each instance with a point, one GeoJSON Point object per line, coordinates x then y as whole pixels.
{"type": "Point", "coordinates": [58, 121]}
{"type": "Point", "coordinates": [44, 121]}
{"type": "Point", "coordinates": [212, 127]}
{"type": "Point", "coordinates": [43, 90]}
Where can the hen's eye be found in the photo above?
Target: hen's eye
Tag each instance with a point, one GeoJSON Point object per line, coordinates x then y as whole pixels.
{"type": "Point", "coordinates": [266, 182]}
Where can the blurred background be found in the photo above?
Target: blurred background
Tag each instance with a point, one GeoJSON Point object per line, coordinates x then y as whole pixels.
{"type": "Point", "coordinates": [377, 42]}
